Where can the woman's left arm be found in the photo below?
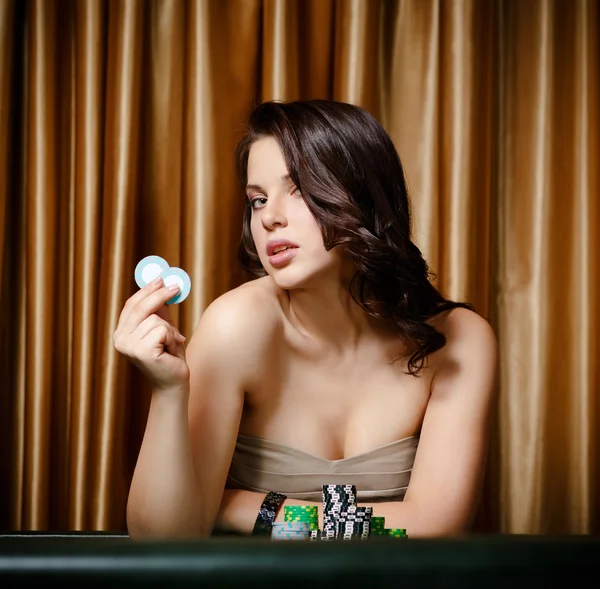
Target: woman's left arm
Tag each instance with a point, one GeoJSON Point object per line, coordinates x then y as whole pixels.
{"type": "Point", "coordinates": [447, 475]}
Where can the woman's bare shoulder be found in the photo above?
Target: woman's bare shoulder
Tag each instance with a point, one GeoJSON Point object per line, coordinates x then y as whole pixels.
{"type": "Point", "coordinates": [469, 336]}
{"type": "Point", "coordinates": [247, 313]}
{"type": "Point", "coordinates": [460, 319]}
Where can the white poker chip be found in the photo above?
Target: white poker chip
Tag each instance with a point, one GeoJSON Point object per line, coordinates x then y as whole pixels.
{"type": "Point", "coordinates": [148, 269]}
{"type": "Point", "coordinates": [179, 277]}
{"type": "Point", "coordinates": [152, 267]}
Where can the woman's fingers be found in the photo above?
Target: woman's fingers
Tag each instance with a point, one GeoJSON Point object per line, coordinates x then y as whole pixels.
{"type": "Point", "coordinates": [165, 313]}
{"type": "Point", "coordinates": [163, 339]}
{"type": "Point", "coordinates": [150, 323]}
{"type": "Point", "coordinates": [146, 326]}
{"type": "Point", "coordinates": [146, 306]}
{"type": "Point", "coordinates": [139, 296]}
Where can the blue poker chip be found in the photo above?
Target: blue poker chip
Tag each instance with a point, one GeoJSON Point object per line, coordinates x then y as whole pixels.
{"type": "Point", "coordinates": [148, 269]}
{"type": "Point", "coordinates": [180, 277]}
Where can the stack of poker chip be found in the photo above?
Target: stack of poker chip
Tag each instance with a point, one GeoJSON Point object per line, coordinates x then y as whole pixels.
{"type": "Point", "coordinates": [302, 513]}
{"type": "Point", "coordinates": [378, 526]}
{"type": "Point", "coordinates": [290, 531]}
{"type": "Point", "coordinates": [336, 499]}
{"type": "Point", "coordinates": [343, 519]}
{"type": "Point", "coordinates": [354, 523]}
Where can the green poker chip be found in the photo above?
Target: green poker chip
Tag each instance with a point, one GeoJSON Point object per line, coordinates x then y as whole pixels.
{"type": "Point", "coordinates": [302, 513]}
{"type": "Point", "coordinates": [396, 532]}
{"type": "Point", "coordinates": [305, 511]}
{"type": "Point", "coordinates": [377, 523]}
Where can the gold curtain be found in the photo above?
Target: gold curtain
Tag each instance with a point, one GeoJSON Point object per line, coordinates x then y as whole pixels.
{"type": "Point", "coordinates": [118, 121]}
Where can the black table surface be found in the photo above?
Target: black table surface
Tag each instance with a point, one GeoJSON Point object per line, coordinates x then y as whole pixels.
{"type": "Point", "coordinates": [100, 560]}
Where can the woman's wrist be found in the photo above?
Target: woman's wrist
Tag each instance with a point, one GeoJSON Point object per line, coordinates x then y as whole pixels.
{"type": "Point", "coordinates": [177, 390]}
{"type": "Point", "coordinates": [239, 510]}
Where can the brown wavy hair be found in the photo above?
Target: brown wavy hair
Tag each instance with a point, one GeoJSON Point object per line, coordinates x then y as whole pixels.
{"type": "Point", "coordinates": [351, 178]}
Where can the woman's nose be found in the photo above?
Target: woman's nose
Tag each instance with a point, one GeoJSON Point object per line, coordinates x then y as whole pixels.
{"type": "Point", "coordinates": [273, 214]}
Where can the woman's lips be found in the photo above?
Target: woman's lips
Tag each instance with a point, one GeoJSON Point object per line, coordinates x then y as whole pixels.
{"type": "Point", "coordinates": [283, 257]}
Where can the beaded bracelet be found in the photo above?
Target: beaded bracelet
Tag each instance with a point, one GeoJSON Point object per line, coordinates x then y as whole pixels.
{"type": "Point", "coordinates": [267, 513]}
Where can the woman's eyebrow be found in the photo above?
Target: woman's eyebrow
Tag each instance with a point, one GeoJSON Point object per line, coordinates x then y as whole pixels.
{"type": "Point", "coordinates": [284, 178]}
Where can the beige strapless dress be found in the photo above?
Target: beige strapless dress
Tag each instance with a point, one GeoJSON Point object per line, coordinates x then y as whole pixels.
{"type": "Point", "coordinates": [382, 474]}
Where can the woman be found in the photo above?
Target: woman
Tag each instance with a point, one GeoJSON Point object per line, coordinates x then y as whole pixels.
{"type": "Point", "coordinates": [341, 363]}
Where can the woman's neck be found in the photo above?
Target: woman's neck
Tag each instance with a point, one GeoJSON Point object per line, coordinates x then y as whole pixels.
{"type": "Point", "coordinates": [329, 315]}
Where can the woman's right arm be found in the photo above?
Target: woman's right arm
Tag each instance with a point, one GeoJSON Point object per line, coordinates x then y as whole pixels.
{"type": "Point", "coordinates": [194, 417]}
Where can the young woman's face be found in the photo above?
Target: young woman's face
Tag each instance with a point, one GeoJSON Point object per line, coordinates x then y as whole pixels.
{"type": "Point", "coordinates": [287, 238]}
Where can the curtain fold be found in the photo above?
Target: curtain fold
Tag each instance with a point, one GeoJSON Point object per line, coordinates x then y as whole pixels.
{"type": "Point", "coordinates": [121, 186]}
{"type": "Point", "coordinates": [7, 18]}
{"type": "Point", "coordinates": [280, 77]}
{"type": "Point", "coordinates": [356, 61]}
{"type": "Point", "coordinates": [412, 117]}
{"type": "Point", "coordinates": [118, 123]}
{"type": "Point", "coordinates": [90, 61]}
{"type": "Point", "coordinates": [41, 236]}
{"type": "Point", "coordinates": [583, 457]}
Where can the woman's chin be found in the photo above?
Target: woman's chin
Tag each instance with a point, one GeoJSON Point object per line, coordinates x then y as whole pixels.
{"type": "Point", "coordinates": [288, 282]}
{"type": "Point", "coordinates": [292, 279]}
{"type": "Point", "coordinates": [288, 278]}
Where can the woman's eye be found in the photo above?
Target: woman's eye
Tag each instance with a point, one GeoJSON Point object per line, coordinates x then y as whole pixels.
{"type": "Point", "coordinates": [257, 203]}
{"type": "Point", "coordinates": [296, 192]}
